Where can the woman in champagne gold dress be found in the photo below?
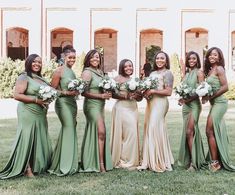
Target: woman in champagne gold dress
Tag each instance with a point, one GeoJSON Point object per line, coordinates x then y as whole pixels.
{"type": "Point", "coordinates": [157, 154]}
{"type": "Point", "coordinates": [124, 141]}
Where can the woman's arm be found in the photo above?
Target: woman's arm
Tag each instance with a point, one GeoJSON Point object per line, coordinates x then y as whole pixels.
{"type": "Point", "coordinates": [55, 83]}
{"type": "Point", "coordinates": [168, 86]}
{"type": "Point", "coordinates": [223, 82]}
{"type": "Point", "coordinates": [86, 76]}
{"type": "Point", "coordinates": [19, 92]}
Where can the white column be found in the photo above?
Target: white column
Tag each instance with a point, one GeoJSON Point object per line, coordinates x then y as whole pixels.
{"type": "Point", "coordinates": [127, 38]}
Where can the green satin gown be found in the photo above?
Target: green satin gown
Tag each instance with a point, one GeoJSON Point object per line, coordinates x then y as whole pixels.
{"type": "Point", "coordinates": [65, 156]}
{"type": "Point", "coordinates": [219, 107]}
{"type": "Point", "coordinates": [191, 109]}
{"type": "Point", "coordinates": [32, 145]}
{"type": "Point", "coordinates": [94, 111]}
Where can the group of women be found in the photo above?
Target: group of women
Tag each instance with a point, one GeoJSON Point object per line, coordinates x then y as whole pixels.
{"type": "Point", "coordinates": [32, 152]}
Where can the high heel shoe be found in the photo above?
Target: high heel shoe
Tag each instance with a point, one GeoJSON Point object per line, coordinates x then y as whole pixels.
{"type": "Point", "coordinates": [102, 168]}
{"type": "Point", "coordinates": [214, 166]}
{"type": "Point", "coordinates": [28, 173]}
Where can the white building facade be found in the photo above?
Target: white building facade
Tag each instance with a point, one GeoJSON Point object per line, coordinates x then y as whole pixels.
{"type": "Point", "coordinates": [123, 29]}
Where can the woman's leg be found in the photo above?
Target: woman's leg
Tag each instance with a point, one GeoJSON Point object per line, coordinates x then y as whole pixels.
{"type": "Point", "coordinates": [101, 142]}
{"type": "Point", "coordinates": [215, 165]}
{"type": "Point", "coordinates": [190, 134]}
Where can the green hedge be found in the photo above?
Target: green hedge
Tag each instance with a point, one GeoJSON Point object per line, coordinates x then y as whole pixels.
{"type": "Point", "coordinates": [10, 70]}
{"type": "Point", "coordinates": [230, 94]}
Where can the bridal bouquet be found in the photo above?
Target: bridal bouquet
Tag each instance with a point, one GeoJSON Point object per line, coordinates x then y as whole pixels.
{"type": "Point", "coordinates": [149, 83]}
{"type": "Point", "coordinates": [77, 85]}
{"type": "Point", "coordinates": [204, 89]}
{"type": "Point", "coordinates": [133, 84]}
{"type": "Point", "coordinates": [184, 91]}
{"type": "Point", "coordinates": [47, 93]}
{"type": "Point", "coordinates": [108, 84]}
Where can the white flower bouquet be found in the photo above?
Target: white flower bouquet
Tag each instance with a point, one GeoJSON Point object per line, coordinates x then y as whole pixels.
{"type": "Point", "coordinates": [204, 89]}
{"type": "Point", "coordinates": [77, 85]}
{"type": "Point", "coordinates": [149, 83]}
{"type": "Point", "coordinates": [108, 84]}
{"type": "Point", "coordinates": [132, 85]}
{"type": "Point", "coordinates": [184, 91]}
{"type": "Point", "coordinates": [47, 93]}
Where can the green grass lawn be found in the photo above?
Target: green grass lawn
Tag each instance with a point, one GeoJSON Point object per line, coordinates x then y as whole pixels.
{"type": "Point", "coordinates": [120, 181]}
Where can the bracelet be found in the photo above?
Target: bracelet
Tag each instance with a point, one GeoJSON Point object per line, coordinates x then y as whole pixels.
{"type": "Point", "coordinates": [36, 100]}
{"type": "Point", "coordinates": [65, 93]}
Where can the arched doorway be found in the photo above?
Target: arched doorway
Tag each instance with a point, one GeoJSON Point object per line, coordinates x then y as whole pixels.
{"type": "Point", "coordinates": [196, 39]}
{"type": "Point", "coordinates": [17, 43]}
{"type": "Point", "coordinates": [106, 39]}
{"type": "Point", "coordinates": [151, 40]}
{"type": "Point", "coordinates": [60, 37]}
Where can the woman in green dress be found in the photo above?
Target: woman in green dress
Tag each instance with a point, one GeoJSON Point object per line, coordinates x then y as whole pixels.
{"type": "Point", "coordinates": [191, 154]}
{"type": "Point", "coordinates": [124, 140]}
{"type": "Point", "coordinates": [65, 155]}
{"type": "Point", "coordinates": [215, 128]}
{"type": "Point", "coordinates": [96, 156]}
{"type": "Point", "coordinates": [31, 153]}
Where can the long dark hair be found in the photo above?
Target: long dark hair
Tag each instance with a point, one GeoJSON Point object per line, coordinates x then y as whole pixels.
{"type": "Point", "coordinates": [89, 55]}
{"type": "Point", "coordinates": [207, 64]}
{"type": "Point", "coordinates": [122, 66]}
{"type": "Point", "coordinates": [28, 65]}
{"type": "Point", "coordinates": [167, 60]}
{"type": "Point", "coordinates": [188, 56]}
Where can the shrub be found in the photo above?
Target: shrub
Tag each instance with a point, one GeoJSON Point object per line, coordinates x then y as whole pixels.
{"type": "Point", "coordinates": [230, 94]}
{"type": "Point", "coordinates": [176, 69]}
{"type": "Point", "coordinates": [9, 71]}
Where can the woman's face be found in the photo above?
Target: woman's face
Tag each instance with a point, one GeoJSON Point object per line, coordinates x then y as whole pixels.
{"type": "Point", "coordinates": [70, 59]}
{"type": "Point", "coordinates": [214, 56]}
{"type": "Point", "coordinates": [36, 65]}
{"type": "Point", "coordinates": [128, 68]}
{"type": "Point", "coordinates": [161, 60]}
{"type": "Point", "coordinates": [95, 60]}
{"type": "Point", "coordinates": [192, 61]}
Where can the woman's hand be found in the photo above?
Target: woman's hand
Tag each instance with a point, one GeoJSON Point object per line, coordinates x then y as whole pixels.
{"type": "Point", "coordinates": [148, 93]}
{"type": "Point", "coordinates": [42, 103]}
{"type": "Point", "coordinates": [181, 102]}
{"type": "Point", "coordinates": [70, 93]}
{"type": "Point", "coordinates": [106, 95]}
{"type": "Point", "coordinates": [205, 99]}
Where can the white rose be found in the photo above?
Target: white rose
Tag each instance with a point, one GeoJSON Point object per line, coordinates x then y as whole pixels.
{"type": "Point", "coordinates": [107, 86]}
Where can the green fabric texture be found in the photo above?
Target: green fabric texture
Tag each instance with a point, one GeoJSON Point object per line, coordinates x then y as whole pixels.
{"type": "Point", "coordinates": [32, 144]}
{"type": "Point", "coordinates": [218, 108]}
{"type": "Point", "coordinates": [94, 111]}
{"type": "Point", "coordinates": [65, 155]}
{"type": "Point", "coordinates": [193, 109]}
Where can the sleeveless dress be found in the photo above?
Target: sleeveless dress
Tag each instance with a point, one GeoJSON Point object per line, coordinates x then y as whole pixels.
{"type": "Point", "coordinates": [65, 156]}
{"type": "Point", "coordinates": [193, 109]}
{"type": "Point", "coordinates": [218, 108]}
{"type": "Point", "coordinates": [32, 144]}
{"type": "Point", "coordinates": [157, 155]}
{"type": "Point", "coordinates": [124, 140]}
{"type": "Point", "coordinates": [93, 110]}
